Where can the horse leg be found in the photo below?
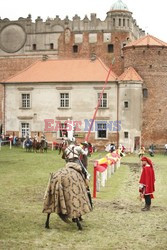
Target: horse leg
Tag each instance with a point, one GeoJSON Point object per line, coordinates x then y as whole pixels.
{"type": "Point", "coordinates": [47, 221]}
{"type": "Point", "coordinates": [59, 150]}
{"type": "Point", "coordinates": [78, 223]}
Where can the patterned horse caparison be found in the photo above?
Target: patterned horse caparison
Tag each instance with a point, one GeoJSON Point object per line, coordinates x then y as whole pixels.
{"type": "Point", "coordinates": [67, 194]}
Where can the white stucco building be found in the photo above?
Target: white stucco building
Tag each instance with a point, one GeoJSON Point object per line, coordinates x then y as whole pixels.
{"type": "Point", "coordinates": [52, 92]}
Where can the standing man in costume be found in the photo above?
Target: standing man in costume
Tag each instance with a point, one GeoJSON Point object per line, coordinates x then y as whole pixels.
{"type": "Point", "coordinates": [146, 183]}
{"type": "Point", "coordinates": [84, 157]}
{"type": "Point", "coordinates": [151, 150]}
{"type": "Point", "coordinates": [141, 152]}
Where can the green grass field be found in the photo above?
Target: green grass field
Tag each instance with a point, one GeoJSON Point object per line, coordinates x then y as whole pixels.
{"type": "Point", "coordinates": [115, 223]}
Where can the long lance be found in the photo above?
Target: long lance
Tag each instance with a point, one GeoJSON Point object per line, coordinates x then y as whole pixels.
{"type": "Point", "coordinates": [98, 104]}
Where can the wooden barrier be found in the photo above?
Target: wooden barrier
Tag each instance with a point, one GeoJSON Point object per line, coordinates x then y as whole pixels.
{"type": "Point", "coordinates": [10, 143]}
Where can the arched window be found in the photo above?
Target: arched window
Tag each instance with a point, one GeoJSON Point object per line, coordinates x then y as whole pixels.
{"type": "Point", "coordinates": [119, 21]}
{"type": "Point", "coordinates": [75, 48]}
{"type": "Point", "coordinates": [114, 22]}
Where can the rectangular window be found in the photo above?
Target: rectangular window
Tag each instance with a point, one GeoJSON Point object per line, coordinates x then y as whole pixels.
{"type": "Point", "coordinates": [126, 135]}
{"type": "Point", "coordinates": [126, 104]}
{"type": "Point", "coordinates": [103, 103]}
{"type": "Point", "coordinates": [123, 22]}
{"type": "Point", "coordinates": [110, 48]}
{"type": "Point", "coordinates": [25, 129]}
{"type": "Point", "coordinates": [75, 48]}
{"type": "Point", "coordinates": [64, 100]}
{"type": "Point", "coordinates": [63, 130]}
{"type": "Point", "coordinates": [145, 93]}
{"type": "Point", "coordinates": [25, 101]}
{"type": "Point", "coordinates": [51, 46]}
{"type": "Point", "coordinates": [113, 21]}
{"type": "Point", "coordinates": [101, 130]}
{"type": "Point", "coordinates": [34, 47]}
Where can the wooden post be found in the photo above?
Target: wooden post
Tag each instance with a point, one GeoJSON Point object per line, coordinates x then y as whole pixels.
{"type": "Point", "coordinates": [98, 104]}
{"type": "Point", "coordinates": [94, 180]}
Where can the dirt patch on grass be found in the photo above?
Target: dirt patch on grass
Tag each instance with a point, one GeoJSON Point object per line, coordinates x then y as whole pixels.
{"type": "Point", "coordinates": [134, 167]}
{"type": "Point", "coordinates": [117, 205]}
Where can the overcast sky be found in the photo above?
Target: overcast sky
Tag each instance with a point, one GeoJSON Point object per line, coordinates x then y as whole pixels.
{"type": "Point", "coordinates": [150, 14]}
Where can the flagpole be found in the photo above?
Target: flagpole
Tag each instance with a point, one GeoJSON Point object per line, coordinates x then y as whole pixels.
{"type": "Point", "coordinates": [98, 104]}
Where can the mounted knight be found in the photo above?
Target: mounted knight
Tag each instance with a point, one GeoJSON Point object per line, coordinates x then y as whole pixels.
{"type": "Point", "coordinates": [68, 193]}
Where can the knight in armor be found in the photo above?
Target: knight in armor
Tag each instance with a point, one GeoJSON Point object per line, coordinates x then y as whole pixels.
{"type": "Point", "coordinates": [28, 140]}
{"type": "Point", "coordinates": [43, 138]}
{"type": "Point", "coordinates": [73, 153]}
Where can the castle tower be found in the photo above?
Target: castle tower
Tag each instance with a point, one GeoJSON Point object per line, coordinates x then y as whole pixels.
{"type": "Point", "coordinates": [124, 30]}
{"type": "Point", "coordinates": [148, 56]}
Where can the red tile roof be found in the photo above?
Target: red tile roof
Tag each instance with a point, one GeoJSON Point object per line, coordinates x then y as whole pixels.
{"type": "Point", "coordinates": [70, 70]}
{"type": "Point", "coordinates": [147, 41]}
{"type": "Point", "coordinates": [130, 74]}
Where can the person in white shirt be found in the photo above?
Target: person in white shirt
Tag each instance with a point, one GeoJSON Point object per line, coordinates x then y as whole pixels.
{"type": "Point", "coordinates": [166, 148]}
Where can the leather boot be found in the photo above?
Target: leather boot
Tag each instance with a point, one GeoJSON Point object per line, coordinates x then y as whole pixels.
{"type": "Point", "coordinates": [146, 208]}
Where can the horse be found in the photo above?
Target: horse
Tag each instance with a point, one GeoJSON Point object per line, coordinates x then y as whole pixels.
{"type": "Point", "coordinates": [68, 195]}
{"type": "Point", "coordinates": [62, 146]}
{"type": "Point", "coordinates": [43, 146]}
{"type": "Point", "coordinates": [36, 145]}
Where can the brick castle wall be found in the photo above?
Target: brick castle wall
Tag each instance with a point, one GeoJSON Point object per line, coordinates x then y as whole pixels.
{"type": "Point", "coordinates": [86, 49]}
{"type": "Point", "coordinates": [151, 64]}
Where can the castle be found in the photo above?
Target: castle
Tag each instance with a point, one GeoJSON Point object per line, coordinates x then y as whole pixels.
{"type": "Point", "coordinates": [139, 62]}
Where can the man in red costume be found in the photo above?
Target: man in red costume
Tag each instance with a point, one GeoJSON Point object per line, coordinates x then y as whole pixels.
{"type": "Point", "coordinates": [147, 180]}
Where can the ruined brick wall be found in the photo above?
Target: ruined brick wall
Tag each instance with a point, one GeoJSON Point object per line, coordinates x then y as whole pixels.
{"type": "Point", "coordinates": [151, 64]}
{"type": "Point", "coordinates": [86, 49]}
